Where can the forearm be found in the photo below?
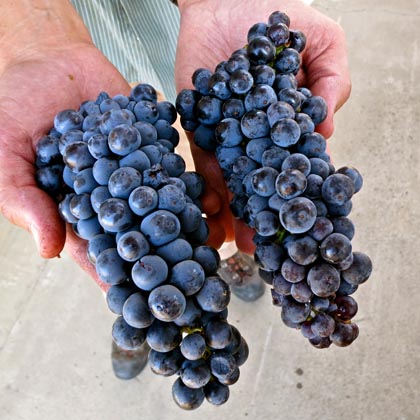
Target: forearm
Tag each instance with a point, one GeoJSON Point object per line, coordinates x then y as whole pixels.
{"type": "Point", "coordinates": [30, 27]}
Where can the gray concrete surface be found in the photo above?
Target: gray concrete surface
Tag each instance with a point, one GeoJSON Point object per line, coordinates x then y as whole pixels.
{"type": "Point", "coordinates": [55, 326]}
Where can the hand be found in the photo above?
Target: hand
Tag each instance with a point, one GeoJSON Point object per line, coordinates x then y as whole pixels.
{"type": "Point", "coordinates": [210, 31]}
{"type": "Point", "coordinates": [35, 85]}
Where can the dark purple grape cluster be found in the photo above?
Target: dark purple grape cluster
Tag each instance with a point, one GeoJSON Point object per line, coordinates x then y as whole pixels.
{"type": "Point", "coordinates": [261, 125]}
{"type": "Point", "coordinates": [112, 168]}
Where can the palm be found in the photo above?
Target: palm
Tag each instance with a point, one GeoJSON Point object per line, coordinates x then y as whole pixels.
{"type": "Point", "coordinates": [32, 93]}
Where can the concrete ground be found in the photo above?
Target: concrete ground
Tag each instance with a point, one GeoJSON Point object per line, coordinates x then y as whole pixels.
{"type": "Point", "coordinates": [55, 327]}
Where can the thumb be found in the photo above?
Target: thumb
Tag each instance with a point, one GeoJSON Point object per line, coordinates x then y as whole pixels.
{"type": "Point", "coordinates": [335, 92]}
{"type": "Point", "coordinates": [33, 210]}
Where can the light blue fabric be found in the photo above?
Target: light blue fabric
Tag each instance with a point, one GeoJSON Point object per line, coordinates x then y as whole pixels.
{"type": "Point", "coordinates": [138, 36]}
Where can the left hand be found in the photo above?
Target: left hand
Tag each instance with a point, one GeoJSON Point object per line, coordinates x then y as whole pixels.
{"type": "Point", "coordinates": [210, 31]}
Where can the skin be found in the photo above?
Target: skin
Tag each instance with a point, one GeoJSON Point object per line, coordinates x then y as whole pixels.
{"type": "Point", "coordinates": [47, 60]}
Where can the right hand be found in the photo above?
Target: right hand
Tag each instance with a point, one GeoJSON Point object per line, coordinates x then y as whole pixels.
{"type": "Point", "coordinates": [35, 85]}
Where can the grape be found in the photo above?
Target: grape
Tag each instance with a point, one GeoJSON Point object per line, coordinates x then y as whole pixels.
{"type": "Point", "coordinates": [185, 397]}
{"type": "Point", "coordinates": [123, 181]}
{"type": "Point", "coordinates": [117, 295]}
{"type": "Point", "coordinates": [255, 148]}
{"type": "Point", "coordinates": [261, 50]}
{"type": "Point", "coordinates": [216, 393]}
{"type": "Point", "coordinates": [285, 132]}
{"type": "Point", "coordinates": [274, 157]}
{"type": "Point", "coordinates": [200, 79]}
{"type": "Point", "coordinates": [146, 110]}
{"type": "Point", "coordinates": [323, 279]}
{"type": "Point", "coordinates": [254, 124]}
{"type": "Point", "coordinates": [165, 364]}
{"type": "Point", "coordinates": [297, 161]}
{"type": "Point", "coordinates": [214, 295]}
{"type": "Point", "coordinates": [49, 178]}
{"type": "Point", "coordinates": [143, 91]}
{"type": "Point", "coordinates": [316, 108]}
{"type": "Point", "coordinates": [208, 258]}
{"type": "Point", "coordinates": [344, 334]}
{"type": "Point", "coordinates": [301, 292]}
{"type": "Point", "coordinates": [193, 346]}
{"type": "Point", "coordinates": [290, 96]}
{"type": "Point", "coordinates": [257, 29]}
{"type": "Point", "coordinates": [115, 215]}
{"type": "Point", "coordinates": [218, 334]}
{"type": "Point", "coordinates": [228, 132]}
{"type": "Point", "coordinates": [337, 189]}
{"type": "Point", "coordinates": [263, 75]}
{"type": "Point", "coordinates": [77, 157]}
{"type": "Point", "coordinates": [80, 206]}
{"type": "Point", "coordinates": [288, 61]}
{"type": "Point", "coordinates": [163, 336]}
{"type": "Point", "coordinates": [127, 337]}
{"type": "Point", "coordinates": [47, 151]}
{"type": "Point", "coordinates": [103, 168]}
{"type": "Point", "coordinates": [311, 144]}
{"type": "Point", "coordinates": [87, 228]}
{"type": "Point", "coordinates": [136, 160]}
{"type": "Point", "coordinates": [233, 108]}
{"type": "Point", "coordinates": [192, 315]}
{"type": "Point", "coordinates": [110, 267]}
{"type": "Point", "coordinates": [188, 276]}
{"type": "Point", "coordinates": [344, 226]}
{"type": "Point", "coordinates": [149, 272]}
{"type": "Point", "coordinates": [195, 373]}
{"type": "Point", "coordinates": [303, 250]}
{"type": "Point", "coordinates": [171, 198]}
{"type": "Point", "coordinates": [290, 183]}
{"type": "Point", "coordinates": [292, 272]}
{"type": "Point", "coordinates": [142, 200]}
{"type": "Point", "coordinates": [346, 308]}
{"type": "Point", "coordinates": [360, 270]}
{"type": "Point", "coordinates": [335, 248]}
{"type": "Point", "coordinates": [136, 311]}
{"type": "Point", "coordinates": [68, 119]}
{"type": "Point", "coordinates": [298, 215]}
{"type": "Point", "coordinates": [282, 181]}
{"type": "Point", "coordinates": [166, 302]}
{"type": "Point", "coordinates": [281, 285]}
{"type": "Point", "coordinates": [131, 246]}
{"type": "Point", "coordinates": [241, 81]}
{"type": "Point", "coordinates": [260, 97]}
{"type": "Point", "coordinates": [176, 251]}
{"type": "Point", "coordinates": [219, 85]}
{"type": "Point", "coordinates": [279, 33]}
{"type": "Point", "coordinates": [160, 227]}
{"type": "Point", "coordinates": [297, 40]}
{"type": "Point", "coordinates": [305, 123]}
{"type": "Point", "coordinates": [323, 325]}
{"type": "Point", "coordinates": [266, 223]}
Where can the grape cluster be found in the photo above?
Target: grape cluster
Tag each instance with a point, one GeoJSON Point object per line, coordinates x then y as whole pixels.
{"type": "Point", "coordinates": [261, 126]}
{"type": "Point", "coordinates": [112, 168]}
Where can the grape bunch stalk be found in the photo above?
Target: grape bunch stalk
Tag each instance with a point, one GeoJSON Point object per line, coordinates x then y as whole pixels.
{"type": "Point", "coordinates": [261, 126]}
{"type": "Point", "coordinates": [112, 168]}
